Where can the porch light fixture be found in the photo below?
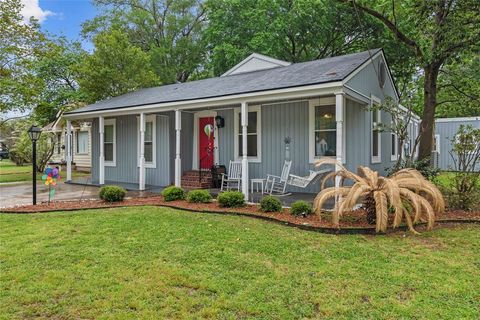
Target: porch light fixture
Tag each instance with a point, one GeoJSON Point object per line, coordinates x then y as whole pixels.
{"type": "Point", "coordinates": [220, 122]}
{"type": "Point", "coordinates": [34, 134]}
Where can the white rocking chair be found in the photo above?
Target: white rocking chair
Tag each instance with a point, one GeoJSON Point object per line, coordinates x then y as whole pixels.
{"type": "Point", "coordinates": [304, 182]}
{"type": "Point", "coordinates": [278, 184]}
{"type": "Point", "coordinates": [233, 176]}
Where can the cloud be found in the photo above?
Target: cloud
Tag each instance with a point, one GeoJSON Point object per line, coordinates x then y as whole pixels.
{"type": "Point", "coordinates": [32, 9]}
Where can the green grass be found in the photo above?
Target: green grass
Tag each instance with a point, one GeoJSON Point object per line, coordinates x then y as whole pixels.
{"type": "Point", "coordinates": [9, 172]}
{"type": "Point", "coordinates": [445, 179]}
{"type": "Point", "coordinates": [155, 263]}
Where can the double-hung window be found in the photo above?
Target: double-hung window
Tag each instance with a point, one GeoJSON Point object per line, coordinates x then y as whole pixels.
{"type": "Point", "coordinates": [325, 131]}
{"type": "Point", "coordinates": [376, 132]}
{"type": "Point", "coordinates": [109, 142]}
{"type": "Point", "coordinates": [58, 142]}
{"type": "Point", "coordinates": [253, 134]}
{"type": "Point", "coordinates": [149, 141]}
{"type": "Point", "coordinates": [436, 144]}
{"type": "Point", "coordinates": [322, 128]}
{"type": "Point", "coordinates": [82, 142]}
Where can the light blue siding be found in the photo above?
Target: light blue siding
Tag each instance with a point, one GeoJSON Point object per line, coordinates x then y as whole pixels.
{"type": "Point", "coordinates": [126, 169]}
{"type": "Point", "coordinates": [278, 121]}
{"type": "Point", "coordinates": [446, 132]}
{"type": "Point", "coordinates": [366, 82]}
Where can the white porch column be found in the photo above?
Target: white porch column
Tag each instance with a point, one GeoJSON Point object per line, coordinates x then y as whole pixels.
{"type": "Point", "coordinates": [244, 115]}
{"type": "Point", "coordinates": [178, 160]}
{"type": "Point", "coordinates": [69, 150]}
{"type": "Point", "coordinates": [101, 158]}
{"type": "Point", "coordinates": [339, 108]}
{"type": "Point", "coordinates": [141, 161]}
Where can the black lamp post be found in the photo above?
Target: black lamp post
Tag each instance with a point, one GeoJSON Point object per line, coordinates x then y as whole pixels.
{"type": "Point", "coordinates": [34, 133]}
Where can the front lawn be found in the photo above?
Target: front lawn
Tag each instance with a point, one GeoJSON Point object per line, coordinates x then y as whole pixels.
{"type": "Point", "coordinates": [9, 172]}
{"type": "Point", "coordinates": [150, 262]}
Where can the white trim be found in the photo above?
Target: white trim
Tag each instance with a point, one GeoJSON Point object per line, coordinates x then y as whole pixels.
{"type": "Point", "coordinates": [253, 98]}
{"type": "Point", "coordinates": [178, 160]}
{"type": "Point", "coordinates": [69, 150]}
{"type": "Point", "coordinates": [258, 56]}
{"type": "Point", "coordinates": [375, 159]}
{"type": "Point", "coordinates": [148, 118]}
{"type": "Point", "coordinates": [437, 144]}
{"type": "Point", "coordinates": [196, 119]}
{"type": "Point", "coordinates": [236, 133]}
{"type": "Point", "coordinates": [109, 122]}
{"type": "Point", "coordinates": [457, 119]}
{"type": "Point", "coordinates": [312, 103]}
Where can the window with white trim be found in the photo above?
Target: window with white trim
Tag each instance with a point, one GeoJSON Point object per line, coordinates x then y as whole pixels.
{"type": "Point", "coordinates": [58, 142]}
{"type": "Point", "coordinates": [436, 144]}
{"type": "Point", "coordinates": [149, 141]}
{"type": "Point", "coordinates": [253, 134]}
{"type": "Point", "coordinates": [325, 130]}
{"type": "Point", "coordinates": [322, 128]}
{"type": "Point", "coordinates": [109, 142]}
{"type": "Point", "coordinates": [394, 144]}
{"type": "Point", "coordinates": [82, 142]}
{"type": "Point", "coordinates": [376, 133]}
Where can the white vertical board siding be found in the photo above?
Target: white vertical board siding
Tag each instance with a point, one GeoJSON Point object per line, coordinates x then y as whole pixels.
{"type": "Point", "coordinates": [126, 169]}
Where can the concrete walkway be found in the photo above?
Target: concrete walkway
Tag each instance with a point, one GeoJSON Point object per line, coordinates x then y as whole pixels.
{"type": "Point", "coordinates": [21, 193]}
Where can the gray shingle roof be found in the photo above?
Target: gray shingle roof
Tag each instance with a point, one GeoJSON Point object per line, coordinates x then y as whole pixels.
{"type": "Point", "coordinates": [294, 75]}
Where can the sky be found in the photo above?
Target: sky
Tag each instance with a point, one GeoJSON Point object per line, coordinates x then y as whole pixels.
{"type": "Point", "coordinates": [61, 17]}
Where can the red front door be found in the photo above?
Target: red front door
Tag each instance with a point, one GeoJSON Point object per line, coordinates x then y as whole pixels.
{"type": "Point", "coordinates": [206, 142]}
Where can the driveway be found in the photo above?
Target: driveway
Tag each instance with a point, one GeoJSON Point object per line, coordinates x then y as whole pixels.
{"type": "Point", "coordinates": [21, 193]}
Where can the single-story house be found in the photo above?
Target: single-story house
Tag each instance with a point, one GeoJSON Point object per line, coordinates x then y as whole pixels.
{"type": "Point", "coordinates": [80, 146]}
{"type": "Point", "coordinates": [445, 131]}
{"type": "Point", "coordinates": [156, 136]}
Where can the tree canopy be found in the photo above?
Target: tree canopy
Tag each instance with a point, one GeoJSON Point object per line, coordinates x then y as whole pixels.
{"type": "Point", "coordinates": [432, 47]}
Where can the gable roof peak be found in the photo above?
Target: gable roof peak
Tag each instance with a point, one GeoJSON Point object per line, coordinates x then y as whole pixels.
{"type": "Point", "coordinates": [256, 62]}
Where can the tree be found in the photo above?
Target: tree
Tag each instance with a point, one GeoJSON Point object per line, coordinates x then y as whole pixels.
{"type": "Point", "coordinates": [459, 88]}
{"type": "Point", "coordinates": [170, 31]}
{"type": "Point", "coordinates": [294, 31]}
{"type": "Point", "coordinates": [20, 45]}
{"type": "Point", "coordinates": [436, 32]}
{"type": "Point", "coordinates": [116, 67]}
{"type": "Point", "coordinates": [58, 71]}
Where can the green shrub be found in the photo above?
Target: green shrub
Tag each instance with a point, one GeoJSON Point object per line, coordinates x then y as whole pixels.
{"type": "Point", "coordinates": [423, 166]}
{"type": "Point", "coordinates": [199, 196]}
{"type": "Point", "coordinates": [173, 193]}
{"type": "Point", "coordinates": [270, 204]}
{"type": "Point", "coordinates": [112, 193]}
{"type": "Point", "coordinates": [231, 199]}
{"type": "Point", "coordinates": [301, 207]}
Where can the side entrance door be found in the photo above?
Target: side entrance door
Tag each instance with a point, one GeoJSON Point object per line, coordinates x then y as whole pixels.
{"type": "Point", "coordinates": [206, 142]}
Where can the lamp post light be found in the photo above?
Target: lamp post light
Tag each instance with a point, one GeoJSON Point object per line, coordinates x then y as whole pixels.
{"type": "Point", "coordinates": [34, 133]}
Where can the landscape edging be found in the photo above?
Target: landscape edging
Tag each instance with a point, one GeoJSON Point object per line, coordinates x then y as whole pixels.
{"type": "Point", "coordinates": [326, 230]}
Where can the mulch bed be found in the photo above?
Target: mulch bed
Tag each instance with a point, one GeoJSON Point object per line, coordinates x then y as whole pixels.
{"type": "Point", "coordinates": [354, 221]}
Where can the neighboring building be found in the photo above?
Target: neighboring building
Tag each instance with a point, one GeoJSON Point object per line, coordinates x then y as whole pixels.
{"type": "Point", "coordinates": [445, 131]}
{"type": "Point", "coordinates": [81, 146]}
{"type": "Point", "coordinates": [320, 105]}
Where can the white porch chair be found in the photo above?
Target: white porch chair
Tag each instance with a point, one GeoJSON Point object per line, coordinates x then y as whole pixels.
{"type": "Point", "coordinates": [304, 182]}
{"type": "Point", "coordinates": [233, 176]}
{"type": "Point", "coordinates": [278, 184]}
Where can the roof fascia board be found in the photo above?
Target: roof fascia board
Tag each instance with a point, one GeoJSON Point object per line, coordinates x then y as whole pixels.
{"type": "Point", "coordinates": [458, 119]}
{"type": "Point", "coordinates": [257, 56]}
{"type": "Point", "coordinates": [366, 63]}
{"type": "Point", "coordinates": [255, 97]}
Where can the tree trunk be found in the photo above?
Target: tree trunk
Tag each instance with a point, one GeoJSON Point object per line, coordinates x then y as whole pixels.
{"type": "Point", "coordinates": [429, 105]}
